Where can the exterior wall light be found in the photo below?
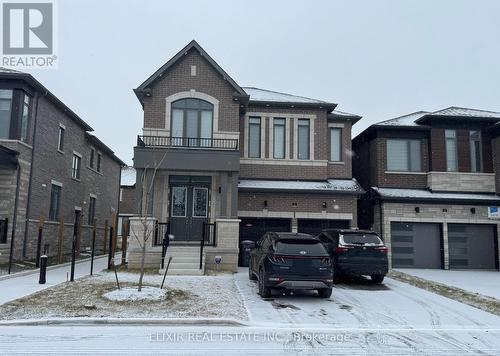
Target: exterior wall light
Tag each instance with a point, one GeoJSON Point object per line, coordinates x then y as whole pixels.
{"type": "Point", "coordinates": [324, 205]}
{"type": "Point", "coordinates": [417, 209]}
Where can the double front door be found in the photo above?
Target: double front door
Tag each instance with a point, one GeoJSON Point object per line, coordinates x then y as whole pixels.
{"type": "Point", "coordinates": [188, 210]}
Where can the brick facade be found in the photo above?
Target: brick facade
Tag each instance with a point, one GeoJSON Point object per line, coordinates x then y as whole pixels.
{"type": "Point", "coordinates": [495, 148]}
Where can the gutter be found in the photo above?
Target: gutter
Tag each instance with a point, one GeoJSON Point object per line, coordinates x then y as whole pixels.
{"type": "Point", "coordinates": [28, 202]}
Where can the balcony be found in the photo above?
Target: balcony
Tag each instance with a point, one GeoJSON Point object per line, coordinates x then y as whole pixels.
{"type": "Point", "coordinates": [187, 154]}
{"type": "Point", "coordinates": [188, 142]}
{"type": "Point", "coordinates": [461, 182]}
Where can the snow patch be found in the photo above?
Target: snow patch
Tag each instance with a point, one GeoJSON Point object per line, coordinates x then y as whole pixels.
{"type": "Point", "coordinates": [133, 295]}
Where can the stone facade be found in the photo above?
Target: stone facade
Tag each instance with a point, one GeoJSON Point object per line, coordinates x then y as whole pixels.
{"type": "Point", "coordinates": [430, 213]}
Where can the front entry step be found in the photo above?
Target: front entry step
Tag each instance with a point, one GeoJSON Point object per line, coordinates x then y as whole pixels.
{"type": "Point", "coordinates": [185, 261]}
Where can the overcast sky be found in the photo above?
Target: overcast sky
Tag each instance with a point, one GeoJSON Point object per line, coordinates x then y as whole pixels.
{"type": "Point", "coordinates": [378, 59]}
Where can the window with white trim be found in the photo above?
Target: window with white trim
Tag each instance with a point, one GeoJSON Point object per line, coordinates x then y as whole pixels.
{"type": "Point", "coordinates": [254, 125]}
{"type": "Point", "coordinates": [451, 150]}
{"type": "Point", "coordinates": [335, 144]}
{"type": "Point", "coordinates": [279, 139]}
{"type": "Point", "coordinates": [304, 139]}
{"type": "Point", "coordinates": [76, 167]}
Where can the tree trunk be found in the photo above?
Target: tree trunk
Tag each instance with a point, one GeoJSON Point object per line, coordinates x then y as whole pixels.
{"type": "Point", "coordinates": [143, 260]}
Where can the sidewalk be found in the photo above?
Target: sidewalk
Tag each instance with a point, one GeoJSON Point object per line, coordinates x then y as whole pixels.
{"type": "Point", "coordinates": [486, 283]}
{"type": "Point", "coordinates": [26, 284]}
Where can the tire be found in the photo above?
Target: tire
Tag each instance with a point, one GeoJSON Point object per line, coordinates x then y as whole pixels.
{"type": "Point", "coordinates": [377, 278]}
{"type": "Point", "coordinates": [264, 292]}
{"type": "Point", "coordinates": [325, 292]}
{"type": "Point", "coordinates": [251, 276]}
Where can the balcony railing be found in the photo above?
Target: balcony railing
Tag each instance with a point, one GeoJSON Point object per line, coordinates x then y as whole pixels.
{"type": "Point", "coordinates": [188, 142]}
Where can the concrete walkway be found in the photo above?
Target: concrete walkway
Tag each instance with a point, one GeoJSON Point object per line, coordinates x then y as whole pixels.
{"type": "Point", "coordinates": [486, 283]}
{"type": "Point", "coordinates": [26, 284]}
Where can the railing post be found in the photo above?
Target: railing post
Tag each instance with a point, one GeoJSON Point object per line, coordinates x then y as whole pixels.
{"type": "Point", "coordinates": [202, 243]}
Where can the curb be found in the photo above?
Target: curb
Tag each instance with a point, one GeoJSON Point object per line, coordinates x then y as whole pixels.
{"type": "Point", "coordinates": [123, 321]}
{"type": "Point", "coordinates": [49, 268]}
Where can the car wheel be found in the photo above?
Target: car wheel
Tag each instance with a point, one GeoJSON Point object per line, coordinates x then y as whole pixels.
{"type": "Point", "coordinates": [264, 291]}
{"type": "Point", "coordinates": [325, 292]}
{"type": "Point", "coordinates": [377, 278]}
{"type": "Point", "coordinates": [251, 276]}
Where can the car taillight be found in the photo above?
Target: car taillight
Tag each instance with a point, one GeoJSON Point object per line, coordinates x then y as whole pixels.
{"type": "Point", "coordinates": [382, 249]}
{"type": "Point", "coordinates": [325, 261]}
{"type": "Point", "coordinates": [342, 249]}
{"type": "Point", "coordinates": [277, 259]}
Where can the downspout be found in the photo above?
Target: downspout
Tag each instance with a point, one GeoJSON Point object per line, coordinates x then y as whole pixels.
{"type": "Point", "coordinates": [14, 218]}
{"type": "Point", "coordinates": [28, 202]}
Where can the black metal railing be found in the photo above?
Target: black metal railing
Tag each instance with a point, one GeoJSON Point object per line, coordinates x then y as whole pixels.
{"type": "Point", "coordinates": [161, 230]}
{"type": "Point", "coordinates": [188, 142]}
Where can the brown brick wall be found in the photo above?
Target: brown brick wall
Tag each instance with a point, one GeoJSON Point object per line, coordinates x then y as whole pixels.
{"type": "Point", "coordinates": [265, 171]}
{"type": "Point", "coordinates": [179, 79]}
{"type": "Point", "coordinates": [312, 203]}
{"type": "Point", "coordinates": [127, 202]}
{"type": "Point", "coordinates": [463, 151]}
{"type": "Point", "coordinates": [438, 150]}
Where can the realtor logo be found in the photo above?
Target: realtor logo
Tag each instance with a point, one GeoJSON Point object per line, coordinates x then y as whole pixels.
{"type": "Point", "coordinates": [28, 30]}
{"type": "Point", "coordinates": [494, 212]}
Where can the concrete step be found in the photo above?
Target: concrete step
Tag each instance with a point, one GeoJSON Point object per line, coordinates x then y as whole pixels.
{"type": "Point", "coordinates": [191, 259]}
{"type": "Point", "coordinates": [184, 265]}
{"type": "Point", "coordinates": [182, 271]}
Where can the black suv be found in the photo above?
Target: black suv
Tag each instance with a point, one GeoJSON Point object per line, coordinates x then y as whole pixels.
{"type": "Point", "coordinates": [291, 261]}
{"type": "Point", "coordinates": [355, 253]}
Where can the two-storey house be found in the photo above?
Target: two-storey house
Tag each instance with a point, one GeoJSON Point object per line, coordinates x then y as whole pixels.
{"type": "Point", "coordinates": [52, 171]}
{"type": "Point", "coordinates": [431, 185]}
{"type": "Point", "coordinates": [214, 154]}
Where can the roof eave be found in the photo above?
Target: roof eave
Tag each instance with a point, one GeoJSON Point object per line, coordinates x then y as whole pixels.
{"type": "Point", "coordinates": [289, 104]}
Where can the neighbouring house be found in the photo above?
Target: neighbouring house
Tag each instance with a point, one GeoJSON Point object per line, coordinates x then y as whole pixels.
{"type": "Point", "coordinates": [431, 187]}
{"type": "Point", "coordinates": [127, 199]}
{"type": "Point", "coordinates": [52, 170]}
{"type": "Point", "coordinates": [233, 162]}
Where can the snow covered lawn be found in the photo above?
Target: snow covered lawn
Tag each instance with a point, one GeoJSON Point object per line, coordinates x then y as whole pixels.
{"type": "Point", "coordinates": [486, 283]}
{"type": "Point", "coordinates": [182, 297]}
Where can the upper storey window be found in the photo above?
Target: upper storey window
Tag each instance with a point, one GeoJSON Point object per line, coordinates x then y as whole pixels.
{"type": "Point", "coordinates": [192, 122]}
{"type": "Point", "coordinates": [303, 139]}
{"type": "Point", "coordinates": [5, 112]}
{"type": "Point", "coordinates": [254, 138]}
{"type": "Point", "coordinates": [404, 155]}
{"type": "Point", "coordinates": [475, 151]}
{"type": "Point", "coordinates": [14, 114]}
{"type": "Point", "coordinates": [451, 151]}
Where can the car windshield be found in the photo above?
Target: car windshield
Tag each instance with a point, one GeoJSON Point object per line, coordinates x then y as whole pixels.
{"type": "Point", "coordinates": [361, 239]}
{"type": "Point", "coordinates": [300, 247]}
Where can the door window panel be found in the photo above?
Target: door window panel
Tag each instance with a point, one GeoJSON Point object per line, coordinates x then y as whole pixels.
{"type": "Point", "coordinates": [200, 202]}
{"type": "Point", "coordinates": [178, 201]}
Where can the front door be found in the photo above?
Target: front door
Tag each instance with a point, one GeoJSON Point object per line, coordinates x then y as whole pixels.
{"type": "Point", "coordinates": [188, 211]}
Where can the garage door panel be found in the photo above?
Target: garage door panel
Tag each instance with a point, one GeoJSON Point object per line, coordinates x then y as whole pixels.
{"type": "Point", "coordinates": [315, 226]}
{"type": "Point", "coordinates": [254, 228]}
{"type": "Point", "coordinates": [471, 246]}
{"type": "Point", "coordinates": [416, 245]}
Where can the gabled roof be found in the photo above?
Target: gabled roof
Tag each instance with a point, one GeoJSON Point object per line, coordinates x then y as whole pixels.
{"type": "Point", "coordinates": [191, 45]}
{"type": "Point", "coordinates": [405, 120]}
{"type": "Point", "coordinates": [454, 112]}
{"type": "Point", "coordinates": [341, 115]}
{"type": "Point", "coordinates": [10, 74]}
{"type": "Point", "coordinates": [263, 96]}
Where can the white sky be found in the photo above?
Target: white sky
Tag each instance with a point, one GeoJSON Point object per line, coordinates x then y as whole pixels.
{"type": "Point", "coordinates": [378, 59]}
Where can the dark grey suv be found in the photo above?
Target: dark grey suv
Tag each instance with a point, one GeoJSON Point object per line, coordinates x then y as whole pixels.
{"type": "Point", "coordinates": [287, 260]}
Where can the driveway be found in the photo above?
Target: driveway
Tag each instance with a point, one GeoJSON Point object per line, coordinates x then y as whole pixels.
{"type": "Point", "coordinates": [406, 315]}
{"type": "Point", "coordinates": [486, 283]}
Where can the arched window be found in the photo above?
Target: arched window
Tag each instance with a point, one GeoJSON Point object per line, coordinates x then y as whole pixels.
{"type": "Point", "coordinates": [192, 121]}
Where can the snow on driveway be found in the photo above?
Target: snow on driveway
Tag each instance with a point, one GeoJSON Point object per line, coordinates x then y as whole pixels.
{"type": "Point", "coordinates": [486, 283]}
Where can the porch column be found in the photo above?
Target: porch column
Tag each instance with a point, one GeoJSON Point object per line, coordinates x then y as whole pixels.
{"type": "Point", "coordinates": [223, 194]}
{"type": "Point", "coordinates": [233, 195]}
{"type": "Point", "coordinates": [144, 192]}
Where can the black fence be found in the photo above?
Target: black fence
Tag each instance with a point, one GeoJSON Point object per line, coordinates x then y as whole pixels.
{"type": "Point", "coordinates": [161, 230]}
{"type": "Point", "coordinates": [188, 142]}
{"type": "Point", "coordinates": [4, 223]}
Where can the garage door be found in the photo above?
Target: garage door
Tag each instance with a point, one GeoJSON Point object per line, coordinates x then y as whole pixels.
{"type": "Point", "coordinates": [472, 246]}
{"type": "Point", "coordinates": [314, 226]}
{"type": "Point", "coordinates": [416, 245]}
{"type": "Point", "coordinates": [254, 228]}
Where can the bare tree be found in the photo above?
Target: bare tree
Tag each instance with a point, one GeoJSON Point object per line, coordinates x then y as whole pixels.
{"type": "Point", "coordinates": [147, 186]}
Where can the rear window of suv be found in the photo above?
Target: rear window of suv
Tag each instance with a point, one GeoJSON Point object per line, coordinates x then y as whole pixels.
{"type": "Point", "coordinates": [294, 247]}
{"type": "Point", "coordinates": [361, 239]}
